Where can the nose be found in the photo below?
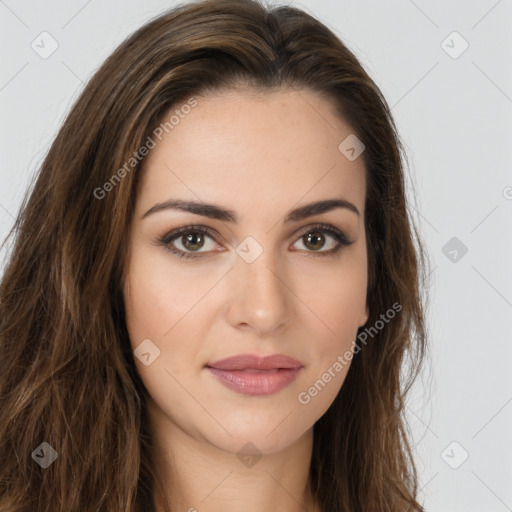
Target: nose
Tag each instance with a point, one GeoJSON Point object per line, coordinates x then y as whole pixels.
{"type": "Point", "coordinates": [260, 296]}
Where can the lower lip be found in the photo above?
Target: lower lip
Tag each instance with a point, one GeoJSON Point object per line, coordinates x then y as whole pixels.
{"type": "Point", "coordinates": [254, 383]}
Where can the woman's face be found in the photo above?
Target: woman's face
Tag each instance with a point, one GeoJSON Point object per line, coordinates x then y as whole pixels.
{"type": "Point", "coordinates": [261, 281]}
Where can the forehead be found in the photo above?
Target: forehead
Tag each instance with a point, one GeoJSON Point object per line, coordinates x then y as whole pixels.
{"type": "Point", "coordinates": [277, 147]}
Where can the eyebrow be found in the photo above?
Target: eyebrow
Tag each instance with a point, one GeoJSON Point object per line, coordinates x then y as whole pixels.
{"type": "Point", "coordinates": [213, 211]}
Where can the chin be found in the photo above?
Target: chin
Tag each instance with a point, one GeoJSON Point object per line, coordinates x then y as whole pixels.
{"type": "Point", "coordinates": [261, 437]}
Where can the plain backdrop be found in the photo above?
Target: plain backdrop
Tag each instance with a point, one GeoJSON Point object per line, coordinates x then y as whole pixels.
{"type": "Point", "coordinates": [444, 68]}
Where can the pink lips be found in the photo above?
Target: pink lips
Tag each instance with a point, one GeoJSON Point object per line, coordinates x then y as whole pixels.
{"type": "Point", "coordinates": [252, 375]}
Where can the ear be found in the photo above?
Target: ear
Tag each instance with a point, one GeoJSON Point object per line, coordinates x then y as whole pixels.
{"type": "Point", "coordinates": [365, 317]}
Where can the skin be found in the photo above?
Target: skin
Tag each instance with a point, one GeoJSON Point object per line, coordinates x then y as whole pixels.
{"type": "Point", "coordinates": [260, 155]}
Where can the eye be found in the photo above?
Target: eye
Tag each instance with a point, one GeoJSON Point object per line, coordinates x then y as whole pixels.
{"type": "Point", "coordinates": [315, 238]}
{"type": "Point", "coordinates": [192, 239]}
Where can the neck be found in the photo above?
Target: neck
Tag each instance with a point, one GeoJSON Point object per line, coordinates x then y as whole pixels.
{"type": "Point", "coordinates": [199, 476]}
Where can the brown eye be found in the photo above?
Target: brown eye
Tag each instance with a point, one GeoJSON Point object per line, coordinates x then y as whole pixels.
{"type": "Point", "coordinates": [193, 241]}
{"type": "Point", "coordinates": [314, 240]}
{"type": "Point", "coordinates": [194, 238]}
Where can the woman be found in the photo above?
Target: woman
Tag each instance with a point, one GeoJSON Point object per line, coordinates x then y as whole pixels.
{"type": "Point", "coordinates": [170, 338]}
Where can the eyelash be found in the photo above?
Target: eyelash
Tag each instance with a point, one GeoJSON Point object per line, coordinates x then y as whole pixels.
{"type": "Point", "coordinates": [339, 236]}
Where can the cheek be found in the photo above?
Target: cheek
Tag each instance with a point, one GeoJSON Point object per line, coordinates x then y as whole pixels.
{"type": "Point", "coordinates": [145, 304]}
{"type": "Point", "coordinates": [156, 320]}
{"type": "Point", "coordinates": [339, 306]}
{"type": "Point", "coordinates": [337, 298]}
{"type": "Point", "coordinates": [338, 302]}
{"type": "Point", "coordinates": [156, 299]}
{"type": "Point", "coordinates": [167, 307]}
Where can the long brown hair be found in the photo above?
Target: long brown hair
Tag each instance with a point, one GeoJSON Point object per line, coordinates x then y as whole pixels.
{"type": "Point", "coordinates": [67, 373]}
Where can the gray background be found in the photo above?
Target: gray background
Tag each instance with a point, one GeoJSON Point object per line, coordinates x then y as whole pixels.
{"type": "Point", "coordinates": [454, 111]}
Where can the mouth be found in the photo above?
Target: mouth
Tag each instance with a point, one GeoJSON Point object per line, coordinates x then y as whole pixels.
{"type": "Point", "coordinates": [253, 362]}
{"type": "Point", "coordinates": [252, 375]}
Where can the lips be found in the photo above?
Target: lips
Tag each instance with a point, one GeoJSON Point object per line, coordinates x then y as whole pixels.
{"type": "Point", "coordinates": [248, 361]}
{"type": "Point", "coordinates": [252, 375]}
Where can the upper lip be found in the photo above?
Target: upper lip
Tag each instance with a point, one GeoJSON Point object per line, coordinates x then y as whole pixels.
{"type": "Point", "coordinates": [249, 361]}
